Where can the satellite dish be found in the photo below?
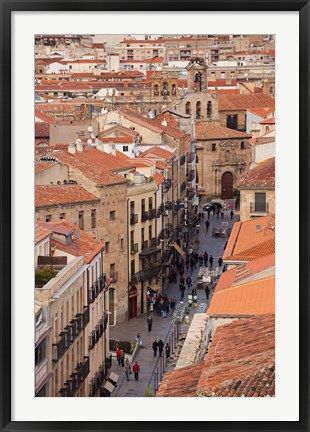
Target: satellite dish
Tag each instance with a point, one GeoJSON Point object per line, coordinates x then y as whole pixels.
{"type": "Point", "coordinates": [137, 154]}
{"type": "Point", "coordinates": [78, 141]}
{"type": "Point", "coordinates": [92, 135]}
{"type": "Point", "coordinates": [90, 128]}
{"type": "Point", "coordinates": [89, 141]}
{"type": "Point", "coordinates": [104, 111]}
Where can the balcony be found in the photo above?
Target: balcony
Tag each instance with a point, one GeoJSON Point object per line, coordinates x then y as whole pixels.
{"type": "Point", "coordinates": [145, 216]}
{"type": "Point", "coordinates": [114, 276]}
{"type": "Point", "coordinates": [148, 273]}
{"type": "Point", "coordinates": [60, 347]}
{"type": "Point", "coordinates": [72, 385]}
{"type": "Point", "coordinates": [191, 157]}
{"type": "Point", "coordinates": [259, 208]}
{"type": "Point", "coordinates": [134, 248]}
{"type": "Point", "coordinates": [152, 214]}
{"type": "Point", "coordinates": [166, 185]}
{"type": "Point", "coordinates": [135, 278]}
{"type": "Point", "coordinates": [183, 186]}
{"type": "Point", "coordinates": [190, 175]}
{"type": "Point", "coordinates": [153, 242]}
{"type": "Point", "coordinates": [182, 160]}
{"type": "Point", "coordinates": [133, 219]}
{"type": "Point", "coordinates": [97, 380]}
{"type": "Point", "coordinates": [145, 245]}
{"type": "Point", "coordinates": [160, 210]}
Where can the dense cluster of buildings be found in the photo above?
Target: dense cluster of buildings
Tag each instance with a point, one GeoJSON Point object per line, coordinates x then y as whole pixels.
{"type": "Point", "coordinates": [130, 137]}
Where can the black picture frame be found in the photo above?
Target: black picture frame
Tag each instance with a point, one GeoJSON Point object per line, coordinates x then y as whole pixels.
{"type": "Point", "coordinates": [7, 7]}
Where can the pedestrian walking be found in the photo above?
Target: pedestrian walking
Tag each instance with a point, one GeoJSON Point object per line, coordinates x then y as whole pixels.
{"type": "Point", "coordinates": [222, 213]}
{"type": "Point", "coordinates": [209, 211]}
{"type": "Point", "coordinates": [188, 282]}
{"type": "Point", "coordinates": [217, 213]}
{"type": "Point", "coordinates": [122, 358]}
{"type": "Point", "coordinates": [220, 262]}
{"type": "Point", "coordinates": [211, 261]}
{"type": "Point", "coordinates": [149, 323]}
{"type": "Point", "coordinates": [167, 351]}
{"type": "Point", "coordinates": [207, 225]}
{"type": "Point", "coordinates": [231, 214]}
{"type": "Point", "coordinates": [205, 258]}
{"type": "Point", "coordinates": [136, 370]}
{"type": "Point", "coordinates": [155, 346]}
{"type": "Point", "coordinates": [182, 289]}
{"type": "Point", "coordinates": [182, 279]}
{"type": "Point", "coordinates": [118, 356]}
{"type": "Point", "coordinates": [197, 228]}
{"type": "Point", "coordinates": [207, 291]}
{"type": "Point", "coordinates": [127, 369]}
{"type": "Point", "coordinates": [172, 303]}
{"type": "Point", "coordinates": [160, 344]}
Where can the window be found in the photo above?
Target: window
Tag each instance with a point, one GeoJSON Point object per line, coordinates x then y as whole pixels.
{"type": "Point", "coordinates": [62, 216]}
{"type": "Point", "coordinates": [81, 219]}
{"type": "Point", "coordinates": [107, 247]}
{"type": "Point", "coordinates": [227, 155]}
{"type": "Point", "coordinates": [187, 108]}
{"type": "Point", "coordinates": [40, 352]}
{"type": "Point", "coordinates": [112, 215]}
{"type": "Point", "coordinates": [260, 202]}
{"type": "Point", "coordinates": [122, 244]}
{"type": "Point", "coordinates": [48, 218]}
{"type": "Point", "coordinates": [213, 148]}
{"type": "Point", "coordinates": [198, 110]}
{"type": "Point", "coordinates": [93, 218]}
{"type": "Point", "coordinates": [150, 203]}
{"type": "Point", "coordinates": [209, 109]}
{"type": "Point", "coordinates": [150, 232]}
{"type": "Point", "coordinates": [242, 145]}
{"type": "Point", "coordinates": [125, 148]}
{"type": "Point", "coordinates": [267, 129]}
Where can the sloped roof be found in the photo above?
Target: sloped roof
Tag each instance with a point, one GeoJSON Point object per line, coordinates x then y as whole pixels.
{"type": "Point", "coordinates": [241, 102]}
{"type": "Point", "coordinates": [243, 272]}
{"type": "Point", "coordinates": [41, 166]}
{"type": "Point", "coordinates": [241, 352]}
{"type": "Point", "coordinates": [208, 130]}
{"type": "Point", "coordinates": [50, 195]}
{"type": "Point", "coordinates": [42, 130]}
{"type": "Point", "coordinates": [85, 246]}
{"type": "Point", "coordinates": [158, 152]}
{"type": "Point", "coordinates": [268, 120]}
{"type": "Point", "coordinates": [41, 233]}
{"type": "Point", "coordinates": [250, 298]}
{"type": "Point", "coordinates": [245, 236]}
{"type": "Point", "coordinates": [260, 177]}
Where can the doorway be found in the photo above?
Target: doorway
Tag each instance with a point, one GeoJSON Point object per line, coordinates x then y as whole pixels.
{"type": "Point", "coordinates": [227, 185]}
{"type": "Point", "coordinates": [111, 305]}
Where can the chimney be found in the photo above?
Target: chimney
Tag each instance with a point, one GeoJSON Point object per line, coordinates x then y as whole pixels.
{"type": "Point", "coordinates": [72, 148]}
{"type": "Point", "coordinates": [164, 122]}
{"type": "Point", "coordinates": [79, 146]}
{"type": "Point", "coordinates": [258, 228]}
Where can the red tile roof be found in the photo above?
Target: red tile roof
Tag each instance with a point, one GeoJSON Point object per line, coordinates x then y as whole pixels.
{"type": "Point", "coordinates": [250, 298]}
{"type": "Point", "coordinates": [158, 178]}
{"type": "Point", "coordinates": [181, 382]}
{"type": "Point", "coordinates": [158, 152]}
{"type": "Point", "coordinates": [42, 130]}
{"type": "Point", "coordinates": [43, 117]}
{"type": "Point", "coordinates": [262, 112]}
{"type": "Point", "coordinates": [242, 102]}
{"type": "Point", "coordinates": [85, 246]}
{"type": "Point", "coordinates": [245, 236]}
{"type": "Point", "coordinates": [52, 195]}
{"type": "Point", "coordinates": [208, 130]}
{"type": "Point", "coordinates": [241, 352]}
{"type": "Point", "coordinates": [152, 60]}
{"type": "Point", "coordinates": [244, 272]}
{"type": "Point", "coordinates": [96, 166]}
{"type": "Point", "coordinates": [41, 233]}
{"type": "Point", "coordinates": [260, 177]}
{"type": "Point", "coordinates": [268, 120]}
{"type": "Point", "coordinates": [41, 166]}
{"type": "Point", "coordinates": [170, 119]}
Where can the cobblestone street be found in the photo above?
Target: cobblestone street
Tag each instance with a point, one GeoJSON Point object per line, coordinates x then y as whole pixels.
{"type": "Point", "coordinates": [162, 326]}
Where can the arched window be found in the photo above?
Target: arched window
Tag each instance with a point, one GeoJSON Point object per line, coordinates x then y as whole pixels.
{"type": "Point", "coordinates": [173, 90]}
{"type": "Point", "coordinates": [209, 109]}
{"type": "Point", "coordinates": [267, 129]}
{"type": "Point", "coordinates": [197, 81]}
{"type": "Point", "coordinates": [164, 90]}
{"type": "Point", "coordinates": [227, 155]}
{"type": "Point", "coordinates": [156, 90]}
{"type": "Point", "coordinates": [229, 121]}
{"type": "Point", "coordinates": [198, 110]}
{"type": "Point", "coordinates": [188, 108]}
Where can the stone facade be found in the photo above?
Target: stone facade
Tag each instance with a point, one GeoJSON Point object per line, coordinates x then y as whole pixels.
{"type": "Point", "coordinates": [247, 203]}
{"type": "Point", "coordinates": [218, 157]}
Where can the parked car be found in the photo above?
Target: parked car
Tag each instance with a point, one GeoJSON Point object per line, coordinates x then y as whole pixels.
{"type": "Point", "coordinates": [212, 206]}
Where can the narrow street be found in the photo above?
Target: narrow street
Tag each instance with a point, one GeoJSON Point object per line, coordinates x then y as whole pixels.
{"type": "Point", "coordinates": [161, 326]}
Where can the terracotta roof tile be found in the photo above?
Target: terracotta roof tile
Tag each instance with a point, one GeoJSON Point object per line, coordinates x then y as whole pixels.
{"type": "Point", "coordinates": [252, 298]}
{"type": "Point", "coordinates": [242, 102]}
{"type": "Point", "coordinates": [158, 152]}
{"type": "Point", "coordinates": [170, 119]}
{"type": "Point", "coordinates": [43, 166]}
{"type": "Point", "coordinates": [158, 178]}
{"type": "Point", "coordinates": [268, 120]}
{"type": "Point", "coordinates": [85, 246]}
{"type": "Point", "coordinates": [241, 359]}
{"type": "Point", "coordinates": [181, 382]}
{"type": "Point", "coordinates": [245, 235]}
{"type": "Point", "coordinates": [243, 272]}
{"type": "Point", "coordinates": [42, 130]}
{"type": "Point", "coordinates": [50, 195]}
{"type": "Point", "coordinates": [208, 130]}
{"type": "Point", "coordinates": [260, 177]}
{"type": "Point", "coordinates": [41, 233]}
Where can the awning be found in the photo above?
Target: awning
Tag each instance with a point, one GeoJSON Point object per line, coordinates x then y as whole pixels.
{"type": "Point", "coordinates": [178, 249]}
{"type": "Point", "coordinates": [154, 287]}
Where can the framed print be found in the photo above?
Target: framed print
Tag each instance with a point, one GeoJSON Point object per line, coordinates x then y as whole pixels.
{"type": "Point", "coordinates": [113, 98]}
